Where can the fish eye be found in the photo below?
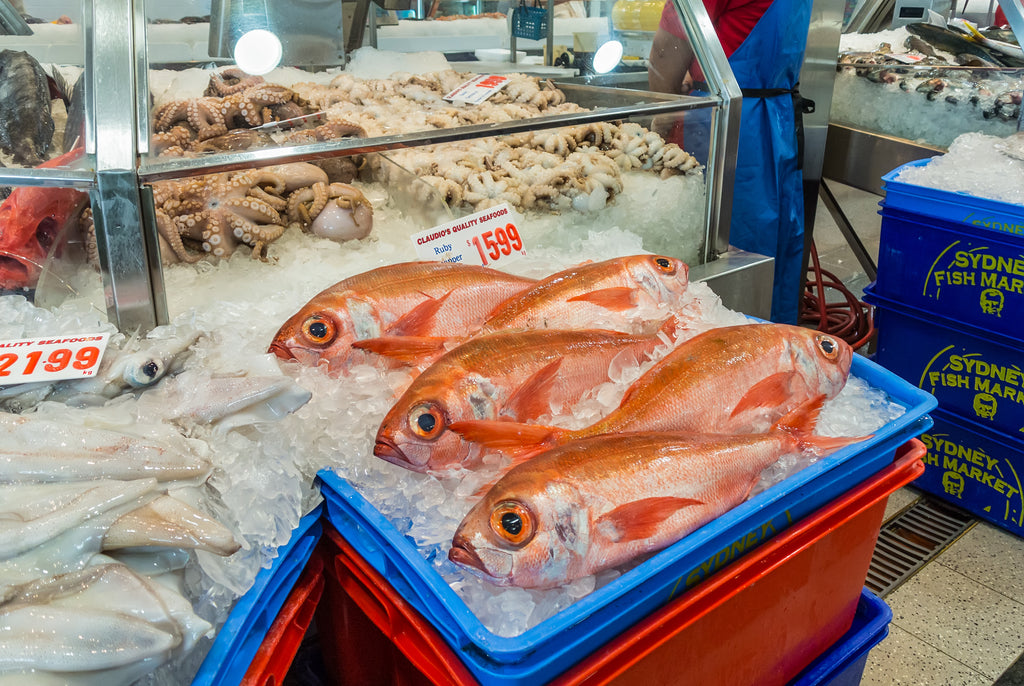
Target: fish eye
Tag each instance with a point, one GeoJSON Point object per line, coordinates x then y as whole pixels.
{"type": "Point", "coordinates": [426, 421]}
{"type": "Point", "coordinates": [665, 265]}
{"type": "Point", "coordinates": [828, 346]}
{"type": "Point", "coordinates": [513, 522]}
{"type": "Point", "coordinates": [151, 369]}
{"type": "Point", "coordinates": [318, 329]}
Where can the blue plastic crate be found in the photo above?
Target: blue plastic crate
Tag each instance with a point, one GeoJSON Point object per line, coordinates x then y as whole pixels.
{"type": "Point", "coordinates": [952, 269]}
{"type": "Point", "coordinates": [529, 22]}
{"type": "Point", "coordinates": [977, 213]}
{"type": "Point", "coordinates": [559, 642]}
{"type": "Point", "coordinates": [975, 468]}
{"type": "Point", "coordinates": [242, 634]}
{"type": "Point", "coordinates": [843, 663]}
{"type": "Point", "coordinates": [972, 372]}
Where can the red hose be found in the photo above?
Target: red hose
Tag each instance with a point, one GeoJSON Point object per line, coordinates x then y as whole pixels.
{"type": "Point", "coordinates": [849, 319]}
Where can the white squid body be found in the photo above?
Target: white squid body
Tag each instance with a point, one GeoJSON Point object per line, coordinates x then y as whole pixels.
{"type": "Point", "coordinates": [104, 617]}
{"type": "Point", "coordinates": [44, 450]}
{"type": "Point", "coordinates": [226, 402]}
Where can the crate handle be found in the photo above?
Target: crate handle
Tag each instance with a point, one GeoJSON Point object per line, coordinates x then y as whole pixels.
{"type": "Point", "coordinates": [359, 587]}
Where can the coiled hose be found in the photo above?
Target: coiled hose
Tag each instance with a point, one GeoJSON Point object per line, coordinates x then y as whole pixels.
{"type": "Point", "coordinates": [849, 319]}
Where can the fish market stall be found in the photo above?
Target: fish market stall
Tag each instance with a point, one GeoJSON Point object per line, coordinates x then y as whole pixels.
{"type": "Point", "coordinates": [274, 262]}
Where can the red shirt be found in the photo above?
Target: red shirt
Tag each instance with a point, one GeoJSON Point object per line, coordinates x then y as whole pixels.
{"type": "Point", "coordinates": [733, 20]}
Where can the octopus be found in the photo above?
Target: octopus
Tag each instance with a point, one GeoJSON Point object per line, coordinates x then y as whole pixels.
{"type": "Point", "coordinates": [220, 211]}
{"type": "Point", "coordinates": [231, 80]}
{"type": "Point", "coordinates": [336, 211]}
{"type": "Point", "coordinates": [213, 116]}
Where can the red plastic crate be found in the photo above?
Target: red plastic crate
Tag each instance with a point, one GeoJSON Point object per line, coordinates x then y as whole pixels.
{"type": "Point", "coordinates": [757, 622]}
{"type": "Point", "coordinates": [275, 655]}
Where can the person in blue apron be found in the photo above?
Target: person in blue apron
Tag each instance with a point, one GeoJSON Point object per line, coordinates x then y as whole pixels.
{"type": "Point", "coordinates": [764, 41]}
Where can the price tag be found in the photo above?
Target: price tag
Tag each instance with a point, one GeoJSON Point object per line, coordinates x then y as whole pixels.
{"type": "Point", "coordinates": [485, 238]}
{"type": "Point", "coordinates": [906, 58]}
{"type": "Point", "coordinates": [478, 89]}
{"type": "Point", "coordinates": [51, 359]}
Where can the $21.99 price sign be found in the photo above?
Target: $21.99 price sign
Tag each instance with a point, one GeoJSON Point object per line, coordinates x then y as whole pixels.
{"type": "Point", "coordinates": [51, 359]}
{"type": "Point", "coordinates": [490, 238]}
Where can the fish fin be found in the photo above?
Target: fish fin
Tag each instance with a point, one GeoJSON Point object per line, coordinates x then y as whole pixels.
{"type": "Point", "coordinates": [405, 348]}
{"type": "Point", "coordinates": [765, 393]}
{"type": "Point", "coordinates": [800, 423]}
{"type": "Point", "coordinates": [58, 85]}
{"type": "Point", "coordinates": [506, 436]}
{"type": "Point", "coordinates": [417, 320]}
{"type": "Point", "coordinates": [533, 398]}
{"type": "Point", "coordinates": [639, 520]}
{"type": "Point", "coordinates": [616, 299]}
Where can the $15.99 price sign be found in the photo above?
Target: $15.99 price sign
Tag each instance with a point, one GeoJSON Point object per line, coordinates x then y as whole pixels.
{"type": "Point", "coordinates": [490, 238]}
{"type": "Point", "coordinates": [51, 359]}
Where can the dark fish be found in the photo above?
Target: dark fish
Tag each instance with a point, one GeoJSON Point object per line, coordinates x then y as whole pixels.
{"type": "Point", "coordinates": [957, 44]}
{"type": "Point", "coordinates": [915, 43]}
{"type": "Point", "coordinates": [1001, 35]}
{"type": "Point", "coordinates": [74, 127]}
{"type": "Point", "coordinates": [24, 108]}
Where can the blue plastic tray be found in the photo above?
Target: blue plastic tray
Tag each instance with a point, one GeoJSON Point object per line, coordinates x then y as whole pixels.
{"type": "Point", "coordinates": [972, 372]}
{"type": "Point", "coordinates": [242, 634]}
{"type": "Point", "coordinates": [977, 213]}
{"type": "Point", "coordinates": [557, 643]}
{"type": "Point", "coordinates": [977, 469]}
{"type": "Point", "coordinates": [953, 270]}
{"type": "Point", "coordinates": [843, 663]}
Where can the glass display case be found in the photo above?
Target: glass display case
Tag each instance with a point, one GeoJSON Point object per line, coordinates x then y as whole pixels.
{"type": "Point", "coordinates": [168, 128]}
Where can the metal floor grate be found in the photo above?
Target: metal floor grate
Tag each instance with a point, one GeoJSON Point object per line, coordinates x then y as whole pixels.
{"type": "Point", "coordinates": [908, 541]}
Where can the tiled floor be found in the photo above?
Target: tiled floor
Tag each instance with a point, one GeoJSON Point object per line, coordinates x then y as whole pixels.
{"type": "Point", "coordinates": [959, 621]}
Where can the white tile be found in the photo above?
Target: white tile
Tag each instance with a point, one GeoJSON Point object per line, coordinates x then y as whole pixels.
{"type": "Point", "coordinates": [991, 556]}
{"type": "Point", "coordinates": [904, 660]}
{"type": "Point", "coordinates": [960, 617]}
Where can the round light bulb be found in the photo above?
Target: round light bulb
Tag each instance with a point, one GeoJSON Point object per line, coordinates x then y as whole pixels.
{"type": "Point", "coordinates": [257, 52]}
{"type": "Point", "coordinates": [607, 57]}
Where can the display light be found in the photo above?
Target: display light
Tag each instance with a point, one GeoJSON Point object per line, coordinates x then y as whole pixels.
{"type": "Point", "coordinates": [257, 52]}
{"type": "Point", "coordinates": [607, 57]}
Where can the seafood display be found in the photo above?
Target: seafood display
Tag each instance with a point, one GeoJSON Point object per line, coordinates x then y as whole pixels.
{"type": "Point", "coordinates": [929, 83]}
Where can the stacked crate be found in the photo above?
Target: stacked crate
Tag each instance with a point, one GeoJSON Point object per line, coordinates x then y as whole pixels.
{"type": "Point", "coordinates": [950, 316]}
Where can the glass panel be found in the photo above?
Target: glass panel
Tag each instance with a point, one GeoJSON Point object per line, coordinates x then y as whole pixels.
{"type": "Point", "coordinates": [42, 99]}
{"type": "Point", "coordinates": [899, 83]}
{"type": "Point", "coordinates": [45, 174]}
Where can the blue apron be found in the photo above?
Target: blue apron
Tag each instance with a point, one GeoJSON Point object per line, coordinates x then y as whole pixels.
{"type": "Point", "coordinates": [768, 206]}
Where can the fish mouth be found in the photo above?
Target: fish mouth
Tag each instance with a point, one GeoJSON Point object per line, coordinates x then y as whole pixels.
{"type": "Point", "coordinates": [386, 449]}
{"type": "Point", "coordinates": [462, 554]}
{"type": "Point", "coordinates": [281, 351]}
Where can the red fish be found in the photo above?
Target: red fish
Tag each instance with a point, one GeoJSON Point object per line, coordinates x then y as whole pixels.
{"type": "Point", "coordinates": [410, 299]}
{"type": "Point", "coordinates": [32, 219]}
{"type": "Point", "coordinates": [731, 380]}
{"type": "Point", "coordinates": [601, 502]}
{"type": "Point", "coordinates": [512, 375]}
{"type": "Point", "coordinates": [625, 294]}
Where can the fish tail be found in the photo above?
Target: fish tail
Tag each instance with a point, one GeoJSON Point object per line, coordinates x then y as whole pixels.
{"type": "Point", "coordinates": [800, 423]}
{"type": "Point", "coordinates": [511, 437]}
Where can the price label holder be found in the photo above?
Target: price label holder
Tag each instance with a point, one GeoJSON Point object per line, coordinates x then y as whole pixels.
{"type": "Point", "coordinates": [478, 89]}
{"type": "Point", "coordinates": [488, 238]}
{"type": "Point", "coordinates": [51, 359]}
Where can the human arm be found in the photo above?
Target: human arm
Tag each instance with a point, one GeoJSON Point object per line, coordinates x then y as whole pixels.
{"type": "Point", "coordinates": [668, 62]}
